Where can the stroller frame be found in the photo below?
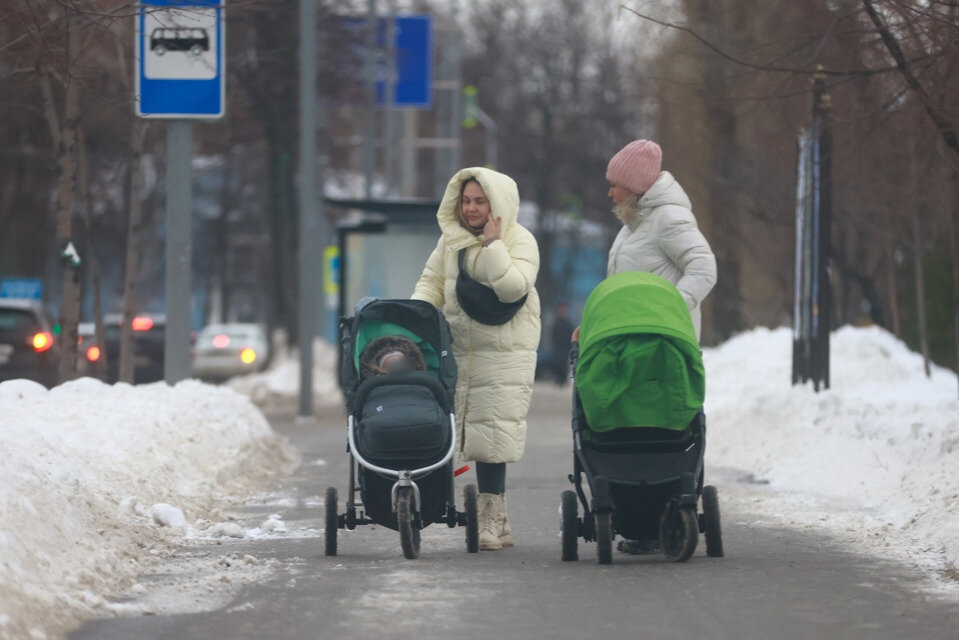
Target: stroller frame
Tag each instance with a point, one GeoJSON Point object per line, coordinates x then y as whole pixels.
{"type": "Point", "coordinates": [404, 478]}
{"type": "Point", "coordinates": [405, 511]}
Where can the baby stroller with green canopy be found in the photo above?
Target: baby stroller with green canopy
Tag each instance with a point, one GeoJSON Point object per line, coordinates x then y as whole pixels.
{"type": "Point", "coordinates": [401, 430]}
{"type": "Point", "coordinates": [639, 431]}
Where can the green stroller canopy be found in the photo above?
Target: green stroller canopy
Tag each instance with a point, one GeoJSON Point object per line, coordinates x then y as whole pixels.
{"type": "Point", "coordinates": [639, 361]}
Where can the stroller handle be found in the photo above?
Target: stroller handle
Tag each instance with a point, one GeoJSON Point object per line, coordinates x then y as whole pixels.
{"type": "Point", "coordinates": [392, 472]}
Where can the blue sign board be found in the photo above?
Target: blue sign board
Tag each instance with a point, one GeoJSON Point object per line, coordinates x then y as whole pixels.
{"type": "Point", "coordinates": [413, 59]}
{"type": "Point", "coordinates": [180, 59]}
{"type": "Point", "coordinates": [21, 288]}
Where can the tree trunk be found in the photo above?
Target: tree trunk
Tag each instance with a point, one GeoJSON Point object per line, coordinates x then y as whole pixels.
{"type": "Point", "coordinates": [223, 238]}
{"type": "Point", "coordinates": [135, 231]}
{"type": "Point", "coordinates": [722, 181]}
{"type": "Point", "coordinates": [545, 190]}
{"type": "Point", "coordinates": [955, 262]}
{"type": "Point", "coordinates": [98, 368]}
{"type": "Point", "coordinates": [66, 190]}
{"type": "Point", "coordinates": [893, 292]}
{"type": "Point", "coordinates": [920, 291]}
{"type": "Point", "coordinates": [283, 224]}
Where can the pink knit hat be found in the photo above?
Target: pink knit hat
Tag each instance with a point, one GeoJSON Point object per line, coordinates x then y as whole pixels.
{"type": "Point", "coordinates": [636, 167]}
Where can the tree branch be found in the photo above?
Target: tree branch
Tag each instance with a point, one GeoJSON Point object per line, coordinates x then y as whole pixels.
{"type": "Point", "coordinates": [859, 73]}
{"type": "Point", "coordinates": [946, 129]}
{"type": "Point", "coordinates": [49, 106]}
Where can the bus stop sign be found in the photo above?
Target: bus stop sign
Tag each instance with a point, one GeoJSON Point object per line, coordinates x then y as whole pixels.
{"type": "Point", "coordinates": [179, 60]}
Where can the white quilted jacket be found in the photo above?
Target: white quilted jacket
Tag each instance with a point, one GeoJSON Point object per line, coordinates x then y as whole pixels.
{"type": "Point", "coordinates": [496, 363]}
{"type": "Point", "coordinates": [665, 240]}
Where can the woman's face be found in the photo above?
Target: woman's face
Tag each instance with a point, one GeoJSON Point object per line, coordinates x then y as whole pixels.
{"type": "Point", "coordinates": [474, 206]}
{"type": "Point", "coordinates": [618, 194]}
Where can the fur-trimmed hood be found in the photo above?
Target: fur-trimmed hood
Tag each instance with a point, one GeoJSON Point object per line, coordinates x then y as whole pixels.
{"type": "Point", "coordinates": [503, 197]}
{"type": "Point", "coordinates": [663, 192]}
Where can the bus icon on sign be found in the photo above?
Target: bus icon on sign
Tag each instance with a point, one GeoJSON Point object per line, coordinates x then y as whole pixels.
{"type": "Point", "coordinates": [192, 41]}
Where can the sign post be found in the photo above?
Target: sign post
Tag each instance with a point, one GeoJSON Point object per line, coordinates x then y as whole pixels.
{"type": "Point", "coordinates": [180, 65]}
{"type": "Point", "coordinates": [812, 305]}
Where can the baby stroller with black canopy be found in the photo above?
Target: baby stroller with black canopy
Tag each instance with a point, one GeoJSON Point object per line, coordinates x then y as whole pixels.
{"type": "Point", "coordinates": [401, 432]}
{"type": "Point", "coordinates": [639, 431]}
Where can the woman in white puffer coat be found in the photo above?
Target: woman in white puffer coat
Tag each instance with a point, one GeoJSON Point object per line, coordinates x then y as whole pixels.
{"type": "Point", "coordinates": [496, 362]}
{"type": "Point", "coordinates": [659, 233]}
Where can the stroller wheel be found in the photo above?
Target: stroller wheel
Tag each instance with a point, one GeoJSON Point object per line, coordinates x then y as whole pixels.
{"type": "Point", "coordinates": [604, 536]}
{"type": "Point", "coordinates": [472, 518]}
{"type": "Point", "coordinates": [570, 525]}
{"type": "Point", "coordinates": [711, 522]}
{"type": "Point", "coordinates": [678, 532]}
{"type": "Point", "coordinates": [409, 530]}
{"type": "Point", "coordinates": [331, 521]}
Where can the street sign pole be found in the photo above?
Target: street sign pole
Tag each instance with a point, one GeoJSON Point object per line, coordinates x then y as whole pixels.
{"type": "Point", "coordinates": [369, 117]}
{"type": "Point", "coordinates": [308, 263]}
{"type": "Point", "coordinates": [180, 71]}
{"type": "Point", "coordinates": [179, 250]}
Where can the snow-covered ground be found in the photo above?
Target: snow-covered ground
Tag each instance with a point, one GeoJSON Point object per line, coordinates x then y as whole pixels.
{"type": "Point", "coordinates": [97, 482]}
{"type": "Point", "coordinates": [874, 460]}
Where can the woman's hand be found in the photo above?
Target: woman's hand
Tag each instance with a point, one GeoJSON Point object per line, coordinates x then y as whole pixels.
{"type": "Point", "coordinates": [492, 229]}
{"type": "Point", "coordinates": [575, 336]}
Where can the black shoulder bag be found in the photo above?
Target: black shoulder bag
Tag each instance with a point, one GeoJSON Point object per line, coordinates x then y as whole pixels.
{"type": "Point", "coordinates": [480, 302]}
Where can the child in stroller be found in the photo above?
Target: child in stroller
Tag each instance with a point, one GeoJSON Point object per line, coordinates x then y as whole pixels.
{"type": "Point", "coordinates": [639, 432]}
{"type": "Point", "coordinates": [390, 354]}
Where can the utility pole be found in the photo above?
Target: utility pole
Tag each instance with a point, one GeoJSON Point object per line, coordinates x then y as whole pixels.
{"type": "Point", "coordinates": [313, 227]}
{"type": "Point", "coordinates": [369, 128]}
{"type": "Point", "coordinates": [456, 109]}
{"type": "Point", "coordinates": [389, 134]}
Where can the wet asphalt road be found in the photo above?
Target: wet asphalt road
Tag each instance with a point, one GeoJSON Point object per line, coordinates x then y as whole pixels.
{"type": "Point", "coordinates": [775, 582]}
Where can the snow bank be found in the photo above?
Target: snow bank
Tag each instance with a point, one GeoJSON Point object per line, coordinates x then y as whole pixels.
{"type": "Point", "coordinates": [882, 443]}
{"type": "Point", "coordinates": [96, 481]}
{"type": "Point", "coordinates": [281, 381]}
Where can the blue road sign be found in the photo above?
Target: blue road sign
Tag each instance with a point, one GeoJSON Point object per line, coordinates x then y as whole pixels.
{"type": "Point", "coordinates": [180, 59]}
{"type": "Point", "coordinates": [21, 288]}
{"type": "Point", "coordinates": [413, 59]}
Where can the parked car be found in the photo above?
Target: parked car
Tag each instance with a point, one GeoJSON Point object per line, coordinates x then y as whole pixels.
{"type": "Point", "coordinates": [226, 350]}
{"type": "Point", "coordinates": [149, 332]}
{"type": "Point", "coordinates": [28, 348]}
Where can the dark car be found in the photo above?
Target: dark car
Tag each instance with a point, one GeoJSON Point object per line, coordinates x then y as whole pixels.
{"type": "Point", "coordinates": [27, 346]}
{"type": "Point", "coordinates": [149, 333]}
{"type": "Point", "coordinates": [193, 41]}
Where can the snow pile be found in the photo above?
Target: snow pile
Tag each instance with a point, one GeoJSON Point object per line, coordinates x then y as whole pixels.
{"type": "Point", "coordinates": [881, 447]}
{"type": "Point", "coordinates": [97, 481]}
{"type": "Point", "coordinates": [281, 381]}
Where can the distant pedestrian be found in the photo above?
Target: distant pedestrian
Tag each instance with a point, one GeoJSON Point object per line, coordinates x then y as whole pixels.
{"type": "Point", "coordinates": [559, 344]}
{"type": "Point", "coordinates": [482, 275]}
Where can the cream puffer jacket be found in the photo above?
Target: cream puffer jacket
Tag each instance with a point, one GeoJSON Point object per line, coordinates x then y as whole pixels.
{"type": "Point", "coordinates": [496, 363]}
{"type": "Point", "coordinates": [664, 239]}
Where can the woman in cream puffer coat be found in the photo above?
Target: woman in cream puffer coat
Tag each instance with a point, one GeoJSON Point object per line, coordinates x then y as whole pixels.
{"type": "Point", "coordinates": [496, 364]}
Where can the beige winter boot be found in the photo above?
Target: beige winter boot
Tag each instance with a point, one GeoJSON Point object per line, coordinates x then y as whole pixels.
{"type": "Point", "coordinates": [488, 508]}
{"type": "Point", "coordinates": [505, 535]}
